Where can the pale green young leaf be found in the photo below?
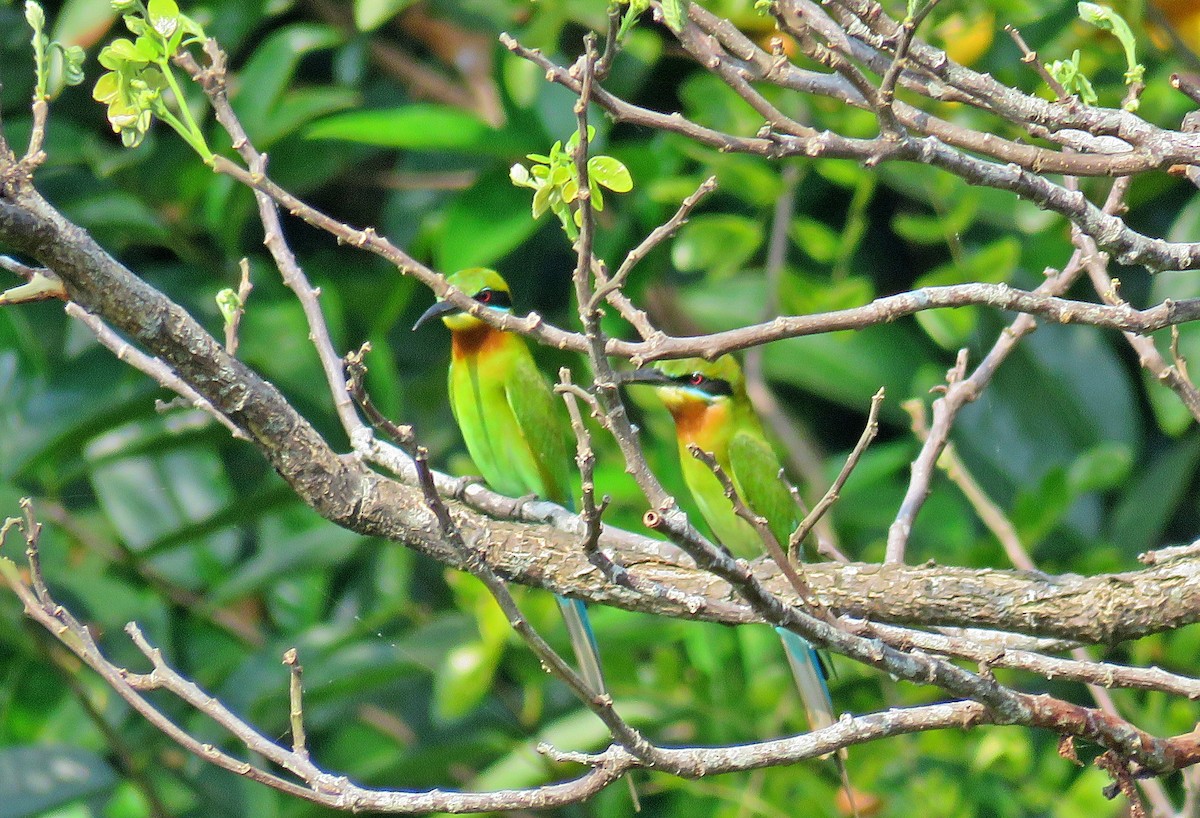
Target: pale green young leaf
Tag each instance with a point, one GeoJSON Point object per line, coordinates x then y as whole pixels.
{"type": "Point", "coordinates": [36, 17]}
{"type": "Point", "coordinates": [164, 17]}
{"type": "Point", "coordinates": [611, 173]}
{"type": "Point", "coordinates": [228, 304]}
{"type": "Point", "coordinates": [1106, 19]}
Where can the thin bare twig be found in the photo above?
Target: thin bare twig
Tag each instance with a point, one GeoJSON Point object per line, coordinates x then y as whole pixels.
{"type": "Point", "coordinates": [887, 86]}
{"type": "Point", "coordinates": [296, 702]}
{"type": "Point", "coordinates": [585, 459]}
{"type": "Point", "coordinates": [1086, 670]}
{"type": "Point", "coordinates": [610, 288]}
{"type": "Point", "coordinates": [834, 492]}
{"type": "Point", "coordinates": [991, 515]}
{"type": "Point", "coordinates": [1030, 58]}
{"type": "Point", "coordinates": [961, 389]}
{"type": "Point", "coordinates": [598, 702]}
{"type": "Point", "coordinates": [243, 292]}
{"type": "Point", "coordinates": [213, 82]}
{"type": "Point", "coordinates": [34, 155]}
{"type": "Point", "coordinates": [356, 373]}
{"type": "Point", "coordinates": [762, 527]}
{"type": "Point", "coordinates": [319, 787]}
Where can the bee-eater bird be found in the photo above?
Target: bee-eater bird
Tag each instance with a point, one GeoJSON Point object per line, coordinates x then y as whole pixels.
{"type": "Point", "coordinates": [511, 422]}
{"type": "Point", "coordinates": [708, 401]}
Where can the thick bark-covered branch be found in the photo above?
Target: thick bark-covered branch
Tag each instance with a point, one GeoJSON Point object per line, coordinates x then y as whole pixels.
{"type": "Point", "coordinates": [342, 489]}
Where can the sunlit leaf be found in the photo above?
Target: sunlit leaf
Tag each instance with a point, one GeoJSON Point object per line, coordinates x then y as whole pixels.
{"type": "Point", "coordinates": [611, 173]}
{"type": "Point", "coordinates": [371, 14]}
{"type": "Point", "coordinates": [415, 127]}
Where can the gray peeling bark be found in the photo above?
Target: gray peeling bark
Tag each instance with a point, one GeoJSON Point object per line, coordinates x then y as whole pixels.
{"type": "Point", "coordinates": [342, 489]}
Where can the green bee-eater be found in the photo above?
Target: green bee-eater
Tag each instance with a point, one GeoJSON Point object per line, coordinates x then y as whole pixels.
{"type": "Point", "coordinates": [708, 401]}
{"type": "Point", "coordinates": [511, 422]}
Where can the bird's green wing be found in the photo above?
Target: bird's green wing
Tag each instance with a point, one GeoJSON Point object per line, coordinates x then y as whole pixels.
{"type": "Point", "coordinates": [539, 416]}
{"type": "Point", "coordinates": [756, 476]}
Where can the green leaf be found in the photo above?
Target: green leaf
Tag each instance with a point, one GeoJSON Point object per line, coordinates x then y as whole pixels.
{"type": "Point", "coordinates": [570, 192]}
{"type": "Point", "coordinates": [120, 213]}
{"type": "Point", "coordinates": [1038, 509]}
{"type": "Point", "coordinates": [266, 75]}
{"type": "Point", "coordinates": [312, 544]}
{"type": "Point", "coordinates": [940, 227]}
{"type": "Point", "coordinates": [228, 304]}
{"type": "Point", "coordinates": [35, 17]}
{"type": "Point", "coordinates": [597, 197]}
{"type": "Point", "coordinates": [611, 173]}
{"type": "Point", "coordinates": [1106, 19]}
{"type": "Point", "coordinates": [717, 243]}
{"type": "Point", "coordinates": [149, 497]}
{"type": "Point", "coordinates": [1071, 77]}
{"type": "Point", "coordinates": [559, 174]}
{"type": "Point", "coordinates": [483, 224]}
{"type": "Point", "coordinates": [573, 142]}
{"type": "Point", "coordinates": [1104, 466]}
{"type": "Point", "coordinates": [541, 200]}
{"type": "Point", "coordinates": [1061, 393]}
{"type": "Point", "coordinates": [123, 49]}
{"type": "Point", "coordinates": [34, 780]}
{"type": "Point", "coordinates": [1159, 486]}
{"type": "Point", "coordinates": [65, 68]}
{"type": "Point", "coordinates": [371, 14]}
{"type": "Point", "coordinates": [297, 108]}
{"type": "Point", "coordinates": [817, 239]}
{"type": "Point", "coordinates": [164, 16]}
{"type": "Point", "coordinates": [416, 127]}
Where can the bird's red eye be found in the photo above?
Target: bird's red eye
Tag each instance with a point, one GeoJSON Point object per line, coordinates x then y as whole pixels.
{"type": "Point", "coordinates": [696, 379]}
{"type": "Point", "coordinates": [484, 297]}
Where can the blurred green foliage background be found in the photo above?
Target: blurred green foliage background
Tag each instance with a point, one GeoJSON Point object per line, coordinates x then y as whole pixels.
{"type": "Point", "coordinates": [413, 679]}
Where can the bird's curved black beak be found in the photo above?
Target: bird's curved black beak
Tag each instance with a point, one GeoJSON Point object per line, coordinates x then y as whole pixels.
{"type": "Point", "coordinates": [438, 310]}
{"type": "Point", "coordinates": [647, 375]}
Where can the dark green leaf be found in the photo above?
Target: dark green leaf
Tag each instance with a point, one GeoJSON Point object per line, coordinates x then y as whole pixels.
{"type": "Point", "coordinates": [416, 127]}
{"type": "Point", "coordinates": [484, 223]}
{"type": "Point", "coordinates": [270, 69]}
{"type": "Point", "coordinates": [1137, 522]}
{"type": "Point", "coordinates": [34, 780]}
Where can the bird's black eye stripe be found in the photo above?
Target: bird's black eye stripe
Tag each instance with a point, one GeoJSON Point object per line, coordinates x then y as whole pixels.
{"type": "Point", "coordinates": [494, 298]}
{"type": "Point", "coordinates": [702, 383]}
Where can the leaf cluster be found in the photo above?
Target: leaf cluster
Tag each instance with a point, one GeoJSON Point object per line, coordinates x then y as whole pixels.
{"type": "Point", "coordinates": [554, 179]}
{"type": "Point", "coordinates": [139, 72]}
